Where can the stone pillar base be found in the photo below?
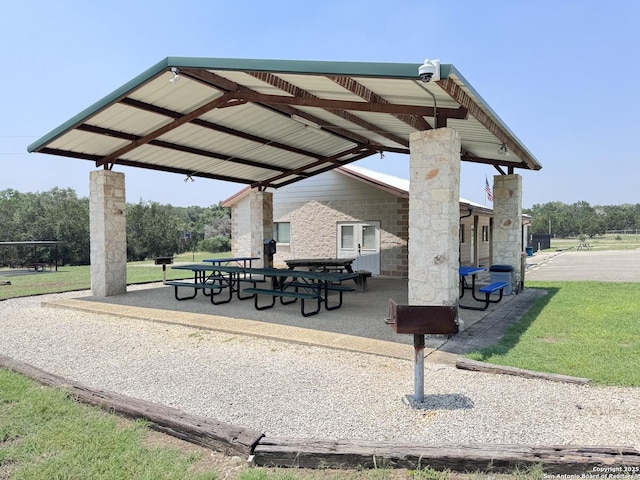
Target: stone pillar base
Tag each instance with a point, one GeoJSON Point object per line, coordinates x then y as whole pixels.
{"type": "Point", "coordinates": [108, 226]}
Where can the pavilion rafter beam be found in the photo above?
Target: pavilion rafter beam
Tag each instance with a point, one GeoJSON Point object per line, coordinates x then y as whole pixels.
{"type": "Point", "coordinates": [338, 163]}
{"type": "Point", "coordinates": [148, 166]}
{"type": "Point", "coordinates": [468, 157]}
{"type": "Point", "coordinates": [275, 102]}
{"type": "Point", "coordinates": [301, 97]}
{"type": "Point", "coordinates": [360, 151]}
{"type": "Point", "coordinates": [328, 104]}
{"type": "Point", "coordinates": [177, 147]}
{"type": "Point", "coordinates": [218, 128]}
{"type": "Point", "coordinates": [460, 96]}
{"type": "Point", "coordinates": [414, 121]}
{"type": "Point", "coordinates": [212, 80]}
{"type": "Point", "coordinates": [110, 159]}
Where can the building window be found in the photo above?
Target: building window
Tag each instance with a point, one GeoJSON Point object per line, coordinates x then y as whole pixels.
{"type": "Point", "coordinates": [485, 233]}
{"type": "Point", "coordinates": [462, 233]}
{"type": "Point", "coordinates": [282, 232]}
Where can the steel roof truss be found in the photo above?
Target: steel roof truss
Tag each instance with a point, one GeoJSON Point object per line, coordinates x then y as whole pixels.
{"type": "Point", "coordinates": [109, 159]}
{"type": "Point", "coordinates": [334, 164]}
{"type": "Point", "coordinates": [219, 128]}
{"type": "Point", "coordinates": [460, 96]}
{"type": "Point", "coordinates": [333, 159]}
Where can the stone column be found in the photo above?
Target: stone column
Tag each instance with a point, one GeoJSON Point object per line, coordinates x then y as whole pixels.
{"type": "Point", "coordinates": [434, 217]}
{"type": "Point", "coordinates": [507, 224]}
{"type": "Point", "coordinates": [261, 218]}
{"type": "Point", "coordinates": [108, 226]}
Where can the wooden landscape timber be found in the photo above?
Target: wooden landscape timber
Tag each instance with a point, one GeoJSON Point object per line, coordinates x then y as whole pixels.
{"type": "Point", "coordinates": [345, 454]}
{"type": "Point", "coordinates": [467, 364]}
{"type": "Point", "coordinates": [562, 459]}
{"type": "Point", "coordinates": [203, 431]}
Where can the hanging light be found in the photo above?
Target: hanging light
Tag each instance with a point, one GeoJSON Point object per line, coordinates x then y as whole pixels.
{"type": "Point", "coordinates": [306, 122]}
{"type": "Point", "coordinates": [503, 150]}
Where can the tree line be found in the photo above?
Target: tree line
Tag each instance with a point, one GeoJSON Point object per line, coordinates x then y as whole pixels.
{"type": "Point", "coordinates": [153, 229]}
{"type": "Point", "coordinates": [581, 219]}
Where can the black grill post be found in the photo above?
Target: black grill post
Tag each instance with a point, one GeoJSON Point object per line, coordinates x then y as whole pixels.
{"type": "Point", "coordinates": [164, 261]}
{"type": "Point", "coordinates": [418, 367]}
{"type": "Point", "coordinates": [421, 320]}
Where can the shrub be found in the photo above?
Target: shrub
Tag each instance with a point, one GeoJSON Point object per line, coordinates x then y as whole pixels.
{"type": "Point", "coordinates": [214, 244]}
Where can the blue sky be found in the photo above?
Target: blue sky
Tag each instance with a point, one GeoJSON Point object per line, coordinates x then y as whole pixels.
{"type": "Point", "coordinates": [563, 76]}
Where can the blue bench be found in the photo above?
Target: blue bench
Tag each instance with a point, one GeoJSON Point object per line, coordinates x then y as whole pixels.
{"type": "Point", "coordinates": [488, 290]}
{"type": "Point", "coordinates": [302, 296]}
{"type": "Point", "coordinates": [218, 285]}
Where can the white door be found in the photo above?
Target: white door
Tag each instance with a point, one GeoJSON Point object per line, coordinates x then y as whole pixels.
{"type": "Point", "coordinates": [361, 241]}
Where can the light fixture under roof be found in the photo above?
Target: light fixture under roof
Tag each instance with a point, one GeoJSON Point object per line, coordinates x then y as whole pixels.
{"type": "Point", "coordinates": [306, 122]}
{"type": "Point", "coordinates": [503, 150]}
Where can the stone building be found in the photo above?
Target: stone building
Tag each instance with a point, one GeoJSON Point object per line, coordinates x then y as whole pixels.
{"type": "Point", "coordinates": [353, 212]}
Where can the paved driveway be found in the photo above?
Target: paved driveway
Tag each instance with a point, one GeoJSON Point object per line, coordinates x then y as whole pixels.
{"type": "Point", "coordinates": [603, 266]}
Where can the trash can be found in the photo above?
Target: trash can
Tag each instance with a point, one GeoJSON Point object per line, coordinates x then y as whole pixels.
{"type": "Point", "coordinates": [529, 251]}
{"type": "Point", "coordinates": [502, 273]}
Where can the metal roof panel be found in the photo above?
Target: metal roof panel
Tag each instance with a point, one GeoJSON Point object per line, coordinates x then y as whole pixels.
{"type": "Point", "coordinates": [227, 117]}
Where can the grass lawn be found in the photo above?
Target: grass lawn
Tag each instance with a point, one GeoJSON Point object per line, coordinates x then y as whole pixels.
{"type": "Point", "coordinates": [45, 435]}
{"type": "Point", "coordinates": [582, 329]}
{"type": "Point", "coordinates": [79, 278]}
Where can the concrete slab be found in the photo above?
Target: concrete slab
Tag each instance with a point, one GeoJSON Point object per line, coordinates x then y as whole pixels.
{"type": "Point", "coordinates": [582, 265]}
{"type": "Point", "coordinates": [359, 325]}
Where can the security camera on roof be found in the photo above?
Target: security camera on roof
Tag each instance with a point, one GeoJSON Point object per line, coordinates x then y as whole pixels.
{"type": "Point", "coordinates": [429, 70]}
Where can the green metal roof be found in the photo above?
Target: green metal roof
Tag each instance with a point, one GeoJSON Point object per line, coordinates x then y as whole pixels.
{"type": "Point", "coordinates": [273, 122]}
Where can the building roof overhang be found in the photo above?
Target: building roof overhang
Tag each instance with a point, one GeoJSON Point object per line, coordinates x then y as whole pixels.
{"type": "Point", "coordinates": [269, 123]}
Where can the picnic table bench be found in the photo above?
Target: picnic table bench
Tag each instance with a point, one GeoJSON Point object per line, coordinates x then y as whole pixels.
{"type": "Point", "coordinates": [488, 290]}
{"type": "Point", "coordinates": [338, 265]}
{"type": "Point", "coordinates": [287, 285]}
{"type": "Point", "coordinates": [316, 284]}
{"type": "Point", "coordinates": [38, 266]}
{"type": "Point", "coordinates": [201, 286]}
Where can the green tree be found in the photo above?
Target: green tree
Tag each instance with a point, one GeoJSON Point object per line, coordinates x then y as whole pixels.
{"type": "Point", "coordinates": [151, 231]}
{"type": "Point", "coordinates": [57, 214]}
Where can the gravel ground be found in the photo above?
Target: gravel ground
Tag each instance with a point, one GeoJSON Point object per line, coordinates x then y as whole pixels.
{"type": "Point", "coordinates": [289, 390]}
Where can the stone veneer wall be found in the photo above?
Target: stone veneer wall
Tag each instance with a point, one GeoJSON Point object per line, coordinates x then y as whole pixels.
{"type": "Point", "coordinates": [261, 218]}
{"type": "Point", "coordinates": [241, 229]}
{"type": "Point", "coordinates": [434, 217]}
{"type": "Point", "coordinates": [314, 228]}
{"type": "Point", "coordinates": [108, 231]}
{"type": "Point", "coordinates": [507, 224]}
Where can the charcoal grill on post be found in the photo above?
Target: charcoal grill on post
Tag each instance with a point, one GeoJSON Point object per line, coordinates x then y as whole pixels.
{"type": "Point", "coordinates": [421, 320]}
{"type": "Point", "coordinates": [164, 261]}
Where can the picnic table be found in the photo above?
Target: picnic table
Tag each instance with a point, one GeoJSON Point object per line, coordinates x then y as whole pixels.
{"type": "Point", "coordinates": [487, 290]}
{"type": "Point", "coordinates": [464, 273]}
{"type": "Point", "coordinates": [282, 283]}
{"type": "Point", "coordinates": [332, 265]}
{"type": "Point", "coordinates": [323, 264]}
{"type": "Point", "coordinates": [238, 261]}
{"type": "Point", "coordinates": [205, 278]}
